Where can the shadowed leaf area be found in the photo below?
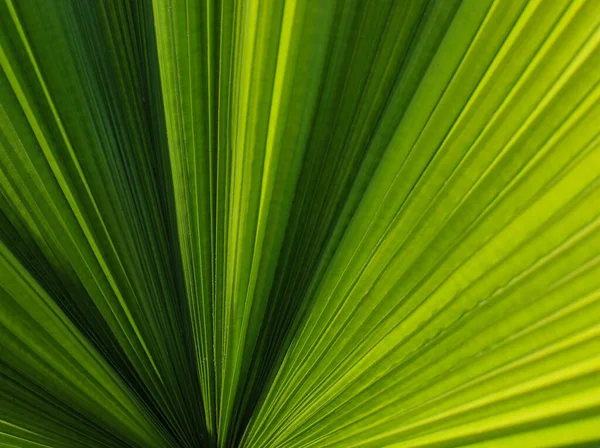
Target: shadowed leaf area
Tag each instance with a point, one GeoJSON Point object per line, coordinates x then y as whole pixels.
{"type": "Point", "coordinates": [299, 223]}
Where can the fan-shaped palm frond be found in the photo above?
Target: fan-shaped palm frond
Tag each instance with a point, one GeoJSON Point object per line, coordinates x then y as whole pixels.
{"type": "Point", "coordinates": [299, 223]}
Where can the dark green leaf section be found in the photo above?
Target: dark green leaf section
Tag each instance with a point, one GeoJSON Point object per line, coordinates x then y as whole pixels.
{"type": "Point", "coordinates": [87, 193]}
{"type": "Point", "coordinates": [299, 223]}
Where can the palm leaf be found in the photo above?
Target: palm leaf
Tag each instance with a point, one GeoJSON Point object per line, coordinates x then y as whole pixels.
{"type": "Point", "coordinates": [299, 223]}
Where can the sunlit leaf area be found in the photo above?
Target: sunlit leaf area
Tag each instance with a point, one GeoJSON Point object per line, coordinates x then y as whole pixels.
{"type": "Point", "coordinates": [299, 223]}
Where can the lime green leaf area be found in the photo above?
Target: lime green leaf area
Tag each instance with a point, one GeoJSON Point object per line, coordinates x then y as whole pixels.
{"type": "Point", "coordinates": [299, 223]}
